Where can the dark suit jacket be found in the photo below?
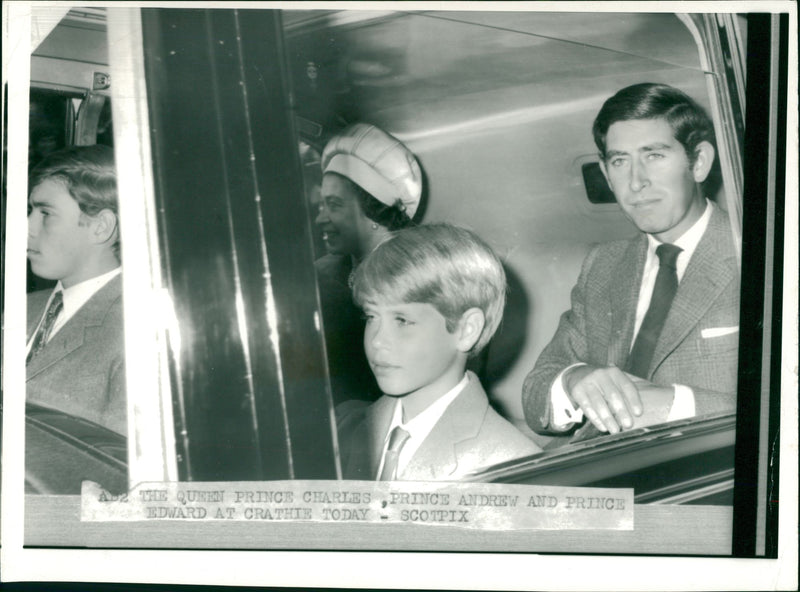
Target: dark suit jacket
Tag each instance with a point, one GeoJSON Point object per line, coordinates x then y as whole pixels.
{"type": "Point", "coordinates": [81, 370]}
{"type": "Point", "coordinates": [469, 435]}
{"type": "Point", "coordinates": [343, 327]}
{"type": "Point", "coordinates": [598, 330]}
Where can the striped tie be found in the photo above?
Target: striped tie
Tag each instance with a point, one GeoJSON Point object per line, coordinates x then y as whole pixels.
{"type": "Point", "coordinates": [396, 441]}
{"type": "Point", "coordinates": [46, 326]}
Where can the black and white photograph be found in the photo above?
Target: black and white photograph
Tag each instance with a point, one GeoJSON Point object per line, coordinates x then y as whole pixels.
{"type": "Point", "coordinates": [497, 288]}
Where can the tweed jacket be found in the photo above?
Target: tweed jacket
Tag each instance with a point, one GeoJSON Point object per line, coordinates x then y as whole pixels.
{"type": "Point", "coordinates": [81, 370]}
{"type": "Point", "coordinates": [470, 435]}
{"type": "Point", "coordinates": [698, 345]}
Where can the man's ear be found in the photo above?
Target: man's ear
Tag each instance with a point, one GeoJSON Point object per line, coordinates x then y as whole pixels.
{"type": "Point", "coordinates": [703, 160]}
{"type": "Point", "coordinates": [104, 227]}
{"type": "Point", "coordinates": [470, 328]}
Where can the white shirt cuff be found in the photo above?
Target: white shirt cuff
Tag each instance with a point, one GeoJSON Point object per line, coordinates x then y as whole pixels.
{"type": "Point", "coordinates": [682, 404]}
{"type": "Point", "coordinates": [564, 413]}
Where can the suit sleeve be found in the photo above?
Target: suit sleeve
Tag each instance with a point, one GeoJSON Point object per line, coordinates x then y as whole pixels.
{"type": "Point", "coordinates": [116, 410]}
{"type": "Point", "coordinates": [708, 365]}
{"type": "Point", "coordinates": [568, 346]}
{"type": "Point", "coordinates": [707, 401]}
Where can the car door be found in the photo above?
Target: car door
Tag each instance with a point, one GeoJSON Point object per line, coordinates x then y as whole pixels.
{"type": "Point", "coordinates": [250, 393]}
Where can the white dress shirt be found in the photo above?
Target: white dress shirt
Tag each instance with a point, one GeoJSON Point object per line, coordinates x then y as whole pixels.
{"type": "Point", "coordinates": [74, 298]}
{"type": "Point", "coordinates": [683, 404]}
{"type": "Point", "coordinates": [420, 426]}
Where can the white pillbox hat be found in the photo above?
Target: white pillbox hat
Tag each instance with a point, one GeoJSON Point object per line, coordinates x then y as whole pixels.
{"type": "Point", "coordinates": [378, 163]}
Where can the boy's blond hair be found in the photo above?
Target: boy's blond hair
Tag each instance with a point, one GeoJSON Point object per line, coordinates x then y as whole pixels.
{"type": "Point", "coordinates": [448, 267]}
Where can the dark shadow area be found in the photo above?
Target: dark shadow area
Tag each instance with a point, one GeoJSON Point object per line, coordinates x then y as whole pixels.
{"type": "Point", "coordinates": [504, 349]}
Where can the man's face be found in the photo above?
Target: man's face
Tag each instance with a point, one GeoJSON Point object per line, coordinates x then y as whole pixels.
{"type": "Point", "coordinates": [59, 238]}
{"type": "Point", "coordinates": [340, 218]}
{"type": "Point", "coordinates": [651, 177]}
{"type": "Point", "coordinates": [410, 350]}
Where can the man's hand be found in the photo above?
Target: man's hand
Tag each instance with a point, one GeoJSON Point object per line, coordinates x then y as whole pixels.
{"type": "Point", "coordinates": [607, 396]}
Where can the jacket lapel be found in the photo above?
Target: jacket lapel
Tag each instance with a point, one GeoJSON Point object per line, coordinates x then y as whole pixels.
{"type": "Point", "coordinates": [365, 455]}
{"type": "Point", "coordinates": [624, 296]}
{"type": "Point", "coordinates": [36, 304]}
{"type": "Point", "coordinates": [706, 276]}
{"type": "Point", "coordinates": [438, 456]}
{"type": "Point", "coordinates": [71, 336]}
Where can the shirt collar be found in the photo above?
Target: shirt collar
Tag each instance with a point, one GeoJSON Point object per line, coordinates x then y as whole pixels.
{"type": "Point", "coordinates": [77, 295]}
{"type": "Point", "coordinates": [689, 240]}
{"type": "Point", "coordinates": [421, 425]}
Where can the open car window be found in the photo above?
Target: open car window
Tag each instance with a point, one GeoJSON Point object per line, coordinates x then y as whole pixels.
{"type": "Point", "coordinates": [488, 97]}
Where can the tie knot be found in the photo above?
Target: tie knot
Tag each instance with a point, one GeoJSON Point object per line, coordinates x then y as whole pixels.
{"type": "Point", "coordinates": [668, 254]}
{"type": "Point", "coordinates": [58, 300]}
{"type": "Point", "coordinates": [397, 438]}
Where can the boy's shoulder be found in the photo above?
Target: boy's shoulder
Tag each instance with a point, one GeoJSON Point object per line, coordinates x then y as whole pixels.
{"type": "Point", "coordinates": [349, 413]}
{"type": "Point", "coordinates": [469, 436]}
{"type": "Point", "coordinates": [505, 437]}
{"type": "Point", "coordinates": [511, 441]}
{"type": "Point", "coordinates": [353, 414]}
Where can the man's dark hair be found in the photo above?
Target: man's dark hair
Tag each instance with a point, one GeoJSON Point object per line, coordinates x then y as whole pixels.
{"type": "Point", "coordinates": [391, 217]}
{"type": "Point", "coordinates": [89, 175]}
{"type": "Point", "coordinates": [689, 121]}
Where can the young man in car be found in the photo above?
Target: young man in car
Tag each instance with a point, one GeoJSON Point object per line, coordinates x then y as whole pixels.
{"type": "Point", "coordinates": [75, 357]}
{"type": "Point", "coordinates": [652, 334]}
{"type": "Point", "coordinates": [371, 186]}
{"type": "Point", "coordinates": [433, 296]}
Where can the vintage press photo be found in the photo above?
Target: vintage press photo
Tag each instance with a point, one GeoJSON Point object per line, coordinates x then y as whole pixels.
{"type": "Point", "coordinates": [215, 350]}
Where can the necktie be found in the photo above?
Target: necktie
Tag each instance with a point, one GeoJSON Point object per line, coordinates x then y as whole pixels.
{"type": "Point", "coordinates": [663, 292]}
{"type": "Point", "coordinates": [397, 439]}
{"type": "Point", "coordinates": [46, 326]}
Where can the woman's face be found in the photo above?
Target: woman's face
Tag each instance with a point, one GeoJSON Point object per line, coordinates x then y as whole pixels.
{"type": "Point", "coordinates": [345, 228]}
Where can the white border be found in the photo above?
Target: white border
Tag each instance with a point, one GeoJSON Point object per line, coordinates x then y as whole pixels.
{"type": "Point", "coordinates": [406, 570]}
{"type": "Point", "coordinates": [16, 65]}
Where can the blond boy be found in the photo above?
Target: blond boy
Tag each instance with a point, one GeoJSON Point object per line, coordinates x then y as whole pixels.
{"type": "Point", "coordinates": [432, 296]}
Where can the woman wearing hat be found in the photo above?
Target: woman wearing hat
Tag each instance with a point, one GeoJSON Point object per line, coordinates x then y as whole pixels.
{"type": "Point", "coordinates": [371, 186]}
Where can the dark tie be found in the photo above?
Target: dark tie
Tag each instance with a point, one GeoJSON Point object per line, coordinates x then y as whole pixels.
{"type": "Point", "coordinates": [663, 292]}
{"type": "Point", "coordinates": [397, 439]}
{"type": "Point", "coordinates": [46, 326]}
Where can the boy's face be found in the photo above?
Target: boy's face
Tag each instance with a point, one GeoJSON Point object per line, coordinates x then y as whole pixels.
{"type": "Point", "coordinates": [410, 350]}
{"type": "Point", "coordinates": [59, 238]}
